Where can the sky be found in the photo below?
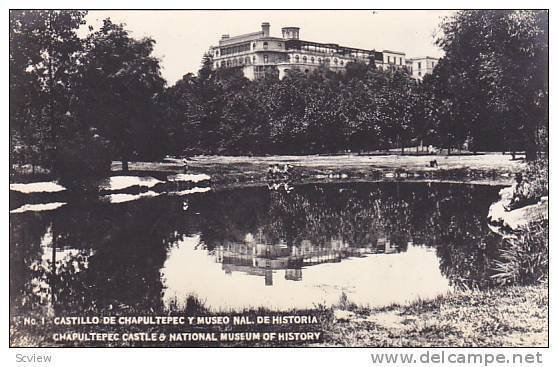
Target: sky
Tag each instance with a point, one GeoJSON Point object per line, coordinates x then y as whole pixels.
{"type": "Point", "coordinates": [183, 36]}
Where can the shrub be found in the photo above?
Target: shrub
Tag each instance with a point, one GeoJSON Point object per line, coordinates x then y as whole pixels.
{"type": "Point", "coordinates": [82, 160]}
{"type": "Point", "coordinates": [525, 260]}
{"type": "Point", "coordinates": [531, 184]}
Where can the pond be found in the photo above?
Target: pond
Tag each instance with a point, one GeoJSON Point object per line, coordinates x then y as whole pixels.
{"type": "Point", "coordinates": [283, 248]}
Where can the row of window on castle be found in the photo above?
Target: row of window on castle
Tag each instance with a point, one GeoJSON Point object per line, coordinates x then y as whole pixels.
{"type": "Point", "coordinates": [305, 59]}
{"type": "Point", "coordinates": [243, 47]}
{"type": "Point", "coordinates": [419, 65]}
{"type": "Point", "coordinates": [235, 62]}
{"type": "Point", "coordinates": [234, 49]}
{"type": "Point", "coordinates": [266, 59]}
{"type": "Point", "coordinates": [246, 60]}
{"type": "Point", "coordinates": [394, 60]}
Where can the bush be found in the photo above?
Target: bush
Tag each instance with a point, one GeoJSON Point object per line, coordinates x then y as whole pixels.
{"type": "Point", "coordinates": [531, 184]}
{"type": "Point", "coordinates": [81, 161]}
{"type": "Point", "coordinates": [525, 259]}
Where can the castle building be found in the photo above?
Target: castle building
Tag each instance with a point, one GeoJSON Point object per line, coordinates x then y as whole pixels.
{"type": "Point", "coordinates": [259, 53]}
{"type": "Point", "coordinates": [418, 67]}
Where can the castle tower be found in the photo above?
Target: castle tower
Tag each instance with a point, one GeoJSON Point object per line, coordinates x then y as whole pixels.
{"type": "Point", "coordinates": [291, 33]}
{"type": "Point", "coordinates": [265, 29]}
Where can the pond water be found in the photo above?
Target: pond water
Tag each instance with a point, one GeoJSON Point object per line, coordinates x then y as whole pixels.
{"type": "Point", "coordinates": [368, 243]}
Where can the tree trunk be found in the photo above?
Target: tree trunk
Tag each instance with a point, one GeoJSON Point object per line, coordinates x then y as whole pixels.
{"type": "Point", "coordinates": [51, 97]}
{"type": "Point", "coordinates": [53, 283]}
{"type": "Point", "coordinates": [531, 149]}
{"type": "Point", "coordinates": [531, 143]}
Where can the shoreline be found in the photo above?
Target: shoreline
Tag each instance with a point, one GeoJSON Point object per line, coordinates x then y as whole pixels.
{"type": "Point", "coordinates": [491, 168]}
{"type": "Point", "coordinates": [226, 172]}
{"type": "Point", "coordinates": [229, 171]}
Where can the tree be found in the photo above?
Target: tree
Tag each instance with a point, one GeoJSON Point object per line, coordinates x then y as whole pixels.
{"type": "Point", "coordinates": [177, 104]}
{"type": "Point", "coordinates": [44, 47]}
{"type": "Point", "coordinates": [496, 70]}
{"type": "Point", "coordinates": [424, 111]}
{"type": "Point", "coordinates": [120, 87]}
{"type": "Point", "coordinates": [399, 97]}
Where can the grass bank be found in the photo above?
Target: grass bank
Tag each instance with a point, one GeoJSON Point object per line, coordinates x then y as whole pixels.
{"type": "Point", "coordinates": [502, 317]}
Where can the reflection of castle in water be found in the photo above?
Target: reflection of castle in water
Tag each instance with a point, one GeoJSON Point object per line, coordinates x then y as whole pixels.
{"type": "Point", "coordinates": [255, 257]}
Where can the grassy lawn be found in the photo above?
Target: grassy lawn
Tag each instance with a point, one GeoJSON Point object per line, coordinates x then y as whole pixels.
{"type": "Point", "coordinates": [493, 168]}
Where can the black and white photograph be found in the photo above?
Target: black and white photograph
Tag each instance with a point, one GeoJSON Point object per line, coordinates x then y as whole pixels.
{"type": "Point", "coordinates": [278, 178]}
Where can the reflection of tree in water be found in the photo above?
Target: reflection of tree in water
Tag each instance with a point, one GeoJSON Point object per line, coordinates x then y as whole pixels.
{"type": "Point", "coordinates": [322, 214]}
{"type": "Point", "coordinates": [26, 233]}
{"type": "Point", "coordinates": [449, 217]}
{"type": "Point", "coordinates": [314, 213]}
{"type": "Point", "coordinates": [456, 225]}
{"type": "Point", "coordinates": [116, 254]}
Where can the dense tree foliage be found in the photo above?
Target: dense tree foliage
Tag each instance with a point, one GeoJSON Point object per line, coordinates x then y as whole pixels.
{"type": "Point", "coordinates": [79, 102]}
{"type": "Point", "coordinates": [221, 112]}
{"type": "Point", "coordinates": [494, 78]}
{"type": "Point", "coordinates": [44, 47]}
{"type": "Point", "coordinates": [119, 87]}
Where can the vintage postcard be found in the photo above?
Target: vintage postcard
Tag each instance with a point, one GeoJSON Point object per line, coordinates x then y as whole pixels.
{"type": "Point", "coordinates": [278, 178]}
